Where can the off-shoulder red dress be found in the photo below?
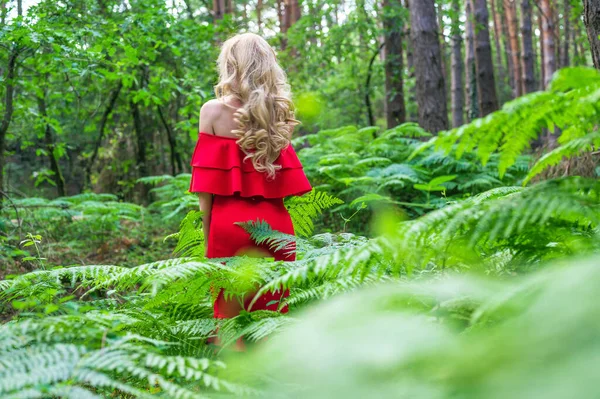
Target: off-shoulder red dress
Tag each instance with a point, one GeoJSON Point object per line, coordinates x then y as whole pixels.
{"type": "Point", "coordinates": [241, 194]}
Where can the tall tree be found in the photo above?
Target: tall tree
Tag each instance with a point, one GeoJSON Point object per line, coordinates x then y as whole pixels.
{"type": "Point", "coordinates": [472, 99]}
{"type": "Point", "coordinates": [442, 38]}
{"type": "Point", "coordinates": [431, 88]}
{"type": "Point", "coordinates": [288, 12]}
{"type": "Point", "coordinates": [506, 39]}
{"type": "Point", "coordinates": [510, 8]}
{"type": "Point", "coordinates": [497, 35]}
{"type": "Point", "coordinates": [457, 93]}
{"type": "Point", "coordinates": [486, 87]}
{"type": "Point", "coordinates": [591, 13]}
{"type": "Point", "coordinates": [564, 54]}
{"type": "Point", "coordinates": [527, 58]}
{"type": "Point", "coordinates": [410, 65]}
{"type": "Point", "coordinates": [548, 43]}
{"type": "Point", "coordinates": [393, 25]}
{"type": "Point", "coordinates": [222, 8]}
{"type": "Point", "coordinates": [540, 22]}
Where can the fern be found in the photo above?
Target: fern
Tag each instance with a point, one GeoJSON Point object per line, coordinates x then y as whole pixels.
{"type": "Point", "coordinates": [262, 234]}
{"type": "Point", "coordinates": [305, 208]}
{"type": "Point", "coordinates": [190, 237]}
{"type": "Point", "coordinates": [569, 104]}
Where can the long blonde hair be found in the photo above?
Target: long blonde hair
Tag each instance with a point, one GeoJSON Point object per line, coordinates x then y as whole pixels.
{"type": "Point", "coordinates": [249, 72]}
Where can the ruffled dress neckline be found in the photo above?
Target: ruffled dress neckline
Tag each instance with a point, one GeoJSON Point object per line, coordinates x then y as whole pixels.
{"type": "Point", "coordinates": [218, 167]}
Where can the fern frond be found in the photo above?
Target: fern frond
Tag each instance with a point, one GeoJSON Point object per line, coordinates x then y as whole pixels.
{"type": "Point", "coordinates": [305, 208]}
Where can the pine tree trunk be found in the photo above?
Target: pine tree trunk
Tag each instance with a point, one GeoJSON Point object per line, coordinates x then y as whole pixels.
{"type": "Point", "coordinates": [486, 88]}
{"type": "Point", "coordinates": [394, 91]}
{"type": "Point", "coordinates": [574, 40]}
{"type": "Point", "coordinates": [497, 35]}
{"type": "Point", "coordinates": [510, 8]}
{"type": "Point", "coordinates": [548, 44]}
{"type": "Point", "coordinates": [50, 146]}
{"type": "Point", "coordinates": [410, 65]}
{"type": "Point", "coordinates": [431, 88]}
{"type": "Point", "coordinates": [591, 15]}
{"type": "Point", "coordinates": [542, 55]}
{"type": "Point", "coordinates": [565, 59]}
{"type": "Point", "coordinates": [507, 53]}
{"type": "Point", "coordinates": [442, 41]}
{"type": "Point", "coordinates": [527, 56]}
{"type": "Point", "coordinates": [472, 99]}
{"type": "Point", "coordinates": [458, 95]}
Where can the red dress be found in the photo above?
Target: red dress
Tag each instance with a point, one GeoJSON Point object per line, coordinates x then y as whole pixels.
{"type": "Point", "coordinates": [241, 194]}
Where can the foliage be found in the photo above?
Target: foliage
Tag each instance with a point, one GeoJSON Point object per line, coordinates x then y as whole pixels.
{"type": "Point", "coordinates": [568, 109]}
{"type": "Point", "coordinates": [361, 166]}
{"type": "Point", "coordinates": [142, 331]}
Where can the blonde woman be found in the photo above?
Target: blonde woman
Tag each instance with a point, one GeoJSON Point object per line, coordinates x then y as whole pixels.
{"type": "Point", "coordinates": [243, 165]}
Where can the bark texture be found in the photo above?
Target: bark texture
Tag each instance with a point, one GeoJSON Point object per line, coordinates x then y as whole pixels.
{"type": "Point", "coordinates": [527, 55]}
{"type": "Point", "coordinates": [591, 15]}
{"type": "Point", "coordinates": [510, 8]}
{"type": "Point", "coordinates": [564, 54]}
{"type": "Point", "coordinates": [548, 44]}
{"type": "Point", "coordinates": [472, 99]}
{"type": "Point", "coordinates": [497, 35]}
{"type": "Point", "coordinates": [431, 88]}
{"type": "Point", "coordinates": [458, 95]}
{"type": "Point", "coordinates": [395, 110]}
{"type": "Point", "coordinates": [486, 86]}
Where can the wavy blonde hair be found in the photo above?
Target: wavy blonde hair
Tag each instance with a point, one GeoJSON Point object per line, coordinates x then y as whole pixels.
{"type": "Point", "coordinates": [249, 72]}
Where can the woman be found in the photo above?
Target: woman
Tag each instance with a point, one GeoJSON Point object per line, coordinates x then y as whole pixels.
{"type": "Point", "coordinates": [243, 165]}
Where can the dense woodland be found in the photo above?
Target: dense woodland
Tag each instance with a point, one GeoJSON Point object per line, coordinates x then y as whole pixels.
{"type": "Point", "coordinates": [450, 247]}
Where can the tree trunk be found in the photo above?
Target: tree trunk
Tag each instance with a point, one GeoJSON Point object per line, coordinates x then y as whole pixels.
{"type": "Point", "coordinates": [222, 8]}
{"type": "Point", "coordinates": [488, 101]}
{"type": "Point", "coordinates": [431, 89]}
{"type": "Point", "coordinates": [527, 56]}
{"type": "Point", "coordinates": [458, 95]}
{"type": "Point", "coordinates": [442, 41]}
{"type": "Point", "coordinates": [472, 99]}
{"type": "Point", "coordinates": [509, 61]}
{"type": "Point", "coordinates": [510, 8]}
{"type": "Point", "coordinates": [295, 11]}
{"type": "Point", "coordinates": [50, 146]}
{"type": "Point", "coordinates": [548, 44]}
{"type": "Point", "coordinates": [370, 117]}
{"type": "Point", "coordinates": [176, 163]}
{"type": "Point", "coordinates": [259, 6]}
{"type": "Point", "coordinates": [8, 111]}
{"type": "Point", "coordinates": [497, 36]}
{"type": "Point", "coordinates": [140, 156]}
{"type": "Point", "coordinates": [591, 16]}
{"type": "Point", "coordinates": [541, 47]}
{"type": "Point", "coordinates": [410, 65]}
{"type": "Point", "coordinates": [394, 85]}
{"type": "Point", "coordinates": [574, 40]}
{"type": "Point", "coordinates": [564, 55]}
{"type": "Point", "coordinates": [114, 94]}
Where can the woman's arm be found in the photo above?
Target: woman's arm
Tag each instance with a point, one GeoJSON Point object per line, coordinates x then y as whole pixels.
{"type": "Point", "coordinates": [206, 200]}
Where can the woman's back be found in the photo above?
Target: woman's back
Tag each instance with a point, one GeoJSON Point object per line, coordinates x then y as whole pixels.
{"type": "Point", "coordinates": [243, 165]}
{"type": "Point", "coordinates": [218, 117]}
